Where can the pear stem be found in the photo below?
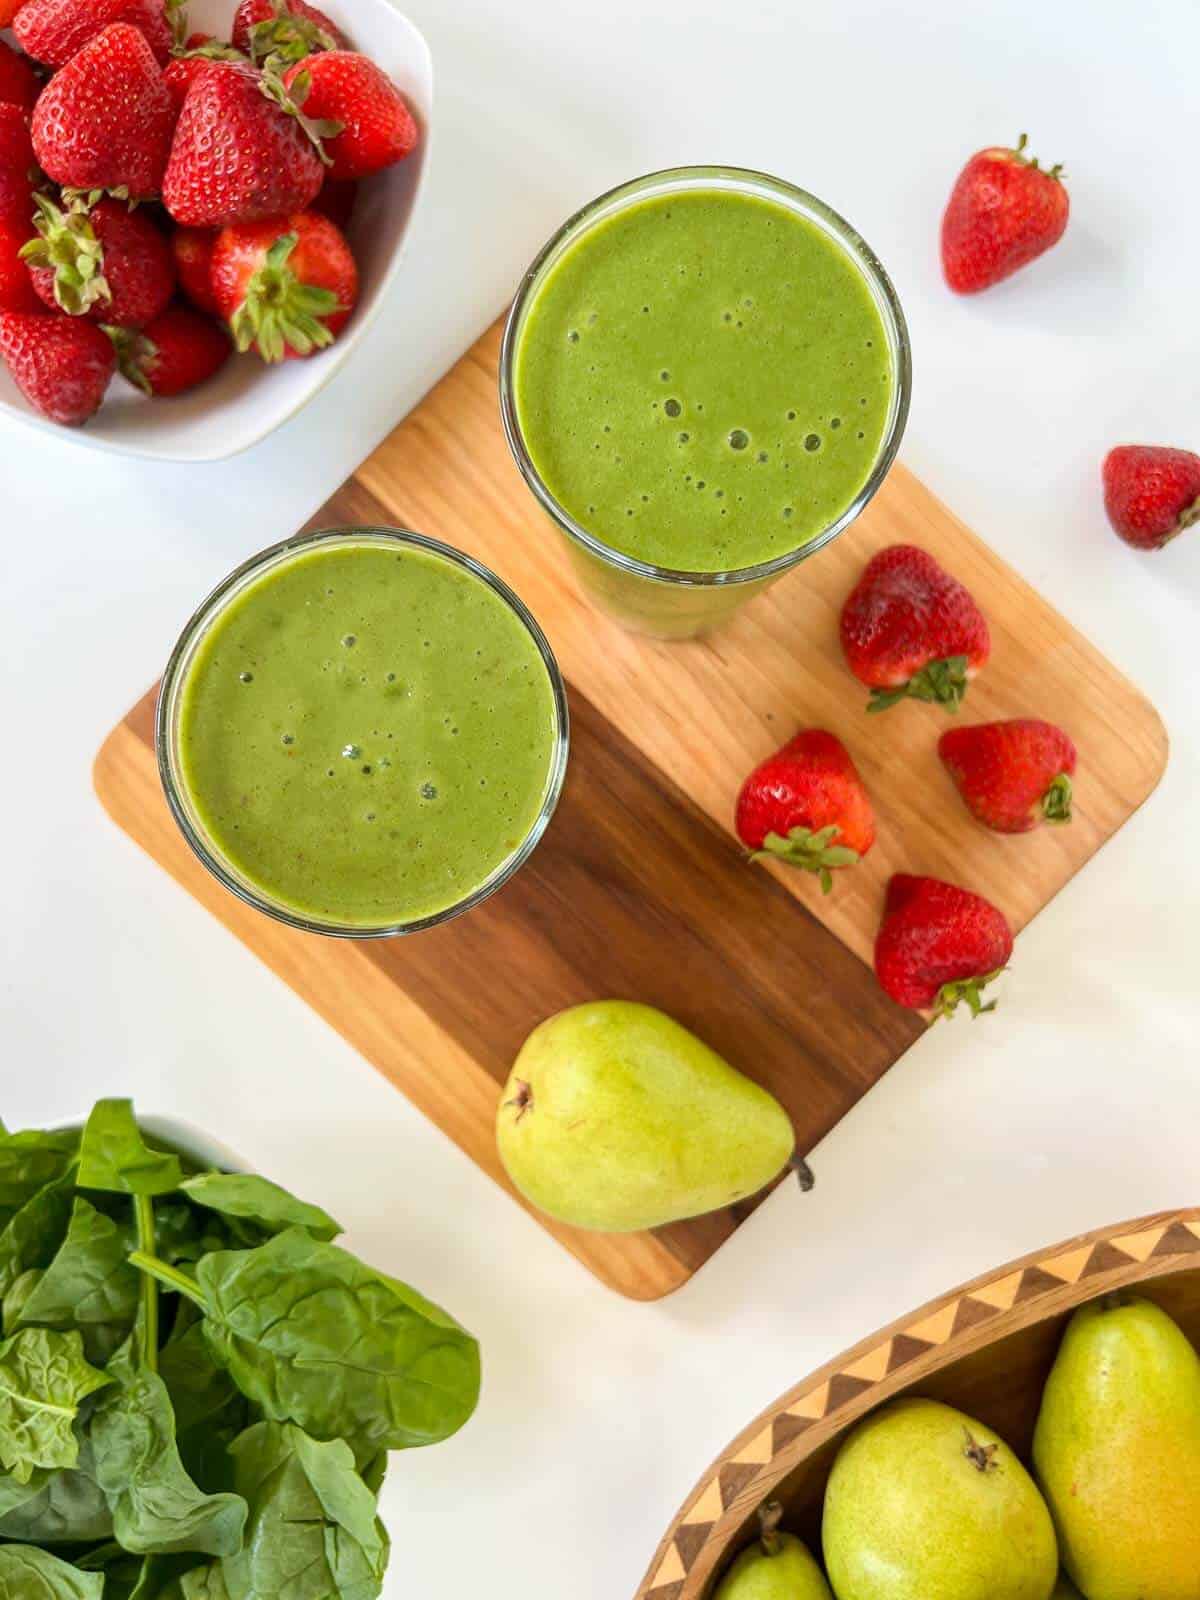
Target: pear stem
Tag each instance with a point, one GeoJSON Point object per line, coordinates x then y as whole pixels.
{"type": "Point", "coordinates": [769, 1518]}
{"type": "Point", "coordinates": [804, 1173]}
{"type": "Point", "coordinates": [523, 1099]}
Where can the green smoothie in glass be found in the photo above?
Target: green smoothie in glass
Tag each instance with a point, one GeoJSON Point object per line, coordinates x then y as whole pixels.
{"type": "Point", "coordinates": [362, 732]}
{"type": "Point", "coordinates": [705, 376]}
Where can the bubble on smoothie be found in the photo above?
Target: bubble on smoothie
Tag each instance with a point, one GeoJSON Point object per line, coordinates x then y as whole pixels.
{"type": "Point", "coordinates": [762, 457]}
{"type": "Point", "coordinates": [835, 422]}
{"type": "Point", "coordinates": [351, 752]}
{"type": "Point", "coordinates": [288, 739]}
{"type": "Point", "coordinates": [787, 511]}
{"type": "Point", "coordinates": [366, 771]}
{"type": "Point", "coordinates": [684, 437]}
{"type": "Point", "coordinates": [428, 791]}
{"type": "Point", "coordinates": [573, 336]}
{"type": "Point", "coordinates": [245, 677]}
{"type": "Point", "coordinates": [791, 416]}
{"type": "Point", "coordinates": [739, 439]}
{"type": "Point", "coordinates": [728, 317]}
{"type": "Point", "coordinates": [672, 408]}
{"type": "Point", "coordinates": [812, 441]}
{"type": "Point", "coordinates": [350, 640]}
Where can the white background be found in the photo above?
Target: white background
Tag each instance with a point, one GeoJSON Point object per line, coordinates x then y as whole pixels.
{"type": "Point", "coordinates": [1076, 1105]}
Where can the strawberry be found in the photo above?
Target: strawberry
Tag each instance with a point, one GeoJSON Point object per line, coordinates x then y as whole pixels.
{"type": "Point", "coordinates": [286, 287]}
{"type": "Point", "coordinates": [806, 805]}
{"type": "Point", "coordinates": [16, 286]}
{"type": "Point", "coordinates": [289, 30]}
{"type": "Point", "coordinates": [52, 31]}
{"type": "Point", "coordinates": [104, 121]}
{"type": "Point", "coordinates": [238, 155]}
{"type": "Point", "coordinates": [192, 249]}
{"type": "Point", "coordinates": [19, 83]}
{"type": "Point", "coordinates": [938, 945]}
{"type": "Point", "coordinates": [174, 353]}
{"type": "Point", "coordinates": [1151, 493]}
{"type": "Point", "coordinates": [1004, 211]}
{"type": "Point", "coordinates": [192, 62]}
{"type": "Point", "coordinates": [336, 201]}
{"type": "Point", "coordinates": [62, 365]}
{"type": "Point", "coordinates": [1012, 775]}
{"type": "Point", "coordinates": [104, 262]}
{"type": "Point", "coordinates": [18, 169]}
{"type": "Point", "coordinates": [376, 127]}
{"type": "Point", "coordinates": [910, 629]}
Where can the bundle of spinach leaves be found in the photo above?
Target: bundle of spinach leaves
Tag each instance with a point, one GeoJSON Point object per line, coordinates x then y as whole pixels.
{"type": "Point", "coordinates": [198, 1388]}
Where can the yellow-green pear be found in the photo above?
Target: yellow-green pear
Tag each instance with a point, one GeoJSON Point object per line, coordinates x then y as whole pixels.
{"type": "Point", "coordinates": [615, 1117]}
{"type": "Point", "coordinates": [1117, 1452]}
{"type": "Point", "coordinates": [777, 1566]}
{"type": "Point", "coordinates": [924, 1503]}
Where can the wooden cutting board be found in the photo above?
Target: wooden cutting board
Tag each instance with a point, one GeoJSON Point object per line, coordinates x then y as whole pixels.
{"type": "Point", "coordinates": [639, 889]}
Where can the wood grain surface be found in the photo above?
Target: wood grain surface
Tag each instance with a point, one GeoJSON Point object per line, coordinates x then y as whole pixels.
{"type": "Point", "coordinates": [639, 889]}
{"type": "Point", "coordinates": [985, 1348]}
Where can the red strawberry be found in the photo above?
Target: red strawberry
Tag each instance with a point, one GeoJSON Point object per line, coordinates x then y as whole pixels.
{"type": "Point", "coordinates": [16, 286]}
{"type": "Point", "coordinates": [238, 156]}
{"type": "Point", "coordinates": [286, 287]}
{"type": "Point", "coordinates": [1151, 493]}
{"type": "Point", "coordinates": [19, 83]}
{"type": "Point", "coordinates": [62, 365]}
{"type": "Point", "coordinates": [191, 63]}
{"type": "Point", "coordinates": [377, 128]}
{"type": "Point", "coordinates": [192, 249]}
{"type": "Point", "coordinates": [18, 168]}
{"type": "Point", "coordinates": [176, 352]}
{"type": "Point", "coordinates": [909, 628]}
{"type": "Point", "coordinates": [104, 121]}
{"type": "Point", "coordinates": [104, 262]}
{"type": "Point", "coordinates": [336, 201]}
{"type": "Point", "coordinates": [938, 944]}
{"type": "Point", "coordinates": [52, 31]}
{"type": "Point", "coordinates": [806, 805]}
{"type": "Point", "coordinates": [1004, 211]}
{"type": "Point", "coordinates": [1012, 775]}
{"type": "Point", "coordinates": [289, 30]}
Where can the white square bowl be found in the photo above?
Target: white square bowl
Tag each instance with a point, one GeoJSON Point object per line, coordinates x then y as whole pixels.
{"type": "Point", "coordinates": [248, 400]}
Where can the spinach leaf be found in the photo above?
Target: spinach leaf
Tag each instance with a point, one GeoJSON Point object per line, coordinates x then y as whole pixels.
{"type": "Point", "coordinates": [314, 1336]}
{"type": "Point", "coordinates": [33, 1234]}
{"type": "Point", "coordinates": [89, 1284]}
{"type": "Point", "coordinates": [43, 1377]}
{"type": "Point", "coordinates": [68, 1508]}
{"type": "Point", "coordinates": [205, 1583]}
{"type": "Point", "coordinates": [131, 1577]}
{"type": "Point", "coordinates": [30, 1574]}
{"type": "Point", "coordinates": [14, 1494]}
{"type": "Point", "coordinates": [155, 1505]}
{"type": "Point", "coordinates": [32, 1159]}
{"type": "Point", "coordinates": [198, 1387]}
{"type": "Point", "coordinates": [185, 1232]}
{"type": "Point", "coordinates": [313, 1533]}
{"type": "Point", "coordinates": [113, 1154]}
{"type": "Point", "coordinates": [241, 1194]}
{"type": "Point", "coordinates": [16, 1297]}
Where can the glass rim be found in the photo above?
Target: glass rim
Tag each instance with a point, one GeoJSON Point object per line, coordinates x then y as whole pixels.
{"type": "Point", "coordinates": [702, 177]}
{"type": "Point", "coordinates": [175, 673]}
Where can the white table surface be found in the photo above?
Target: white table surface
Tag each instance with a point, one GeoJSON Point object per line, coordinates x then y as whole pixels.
{"type": "Point", "coordinates": [1076, 1105]}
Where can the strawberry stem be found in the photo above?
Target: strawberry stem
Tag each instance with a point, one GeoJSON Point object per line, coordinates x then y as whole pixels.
{"type": "Point", "coordinates": [950, 995]}
{"type": "Point", "coordinates": [67, 245]}
{"type": "Point", "coordinates": [279, 311]}
{"type": "Point", "coordinates": [1056, 802]}
{"type": "Point", "coordinates": [942, 682]}
{"type": "Point", "coordinates": [1055, 172]}
{"type": "Point", "coordinates": [811, 852]}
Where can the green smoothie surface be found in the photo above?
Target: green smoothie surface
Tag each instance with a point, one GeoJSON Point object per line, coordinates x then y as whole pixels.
{"type": "Point", "coordinates": [703, 380]}
{"type": "Point", "coordinates": [366, 733]}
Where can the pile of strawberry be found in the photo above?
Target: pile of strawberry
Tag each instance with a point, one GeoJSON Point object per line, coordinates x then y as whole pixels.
{"type": "Point", "coordinates": [166, 197]}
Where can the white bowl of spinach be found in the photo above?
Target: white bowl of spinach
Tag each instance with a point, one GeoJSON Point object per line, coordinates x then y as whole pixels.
{"type": "Point", "coordinates": [198, 1388]}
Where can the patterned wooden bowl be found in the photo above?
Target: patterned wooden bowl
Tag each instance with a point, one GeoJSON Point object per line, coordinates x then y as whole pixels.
{"type": "Point", "coordinates": [985, 1348]}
